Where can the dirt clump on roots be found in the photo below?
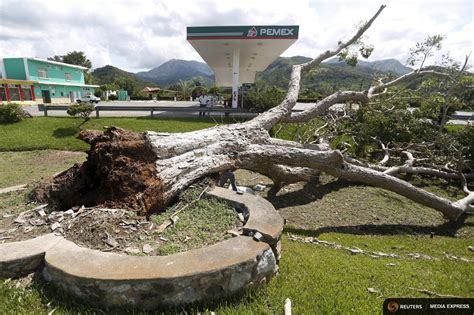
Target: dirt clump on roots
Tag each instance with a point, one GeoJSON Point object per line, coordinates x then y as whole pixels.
{"type": "Point", "coordinates": [119, 173]}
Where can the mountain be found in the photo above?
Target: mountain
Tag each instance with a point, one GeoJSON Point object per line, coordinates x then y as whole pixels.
{"type": "Point", "coordinates": [384, 65]}
{"type": "Point", "coordinates": [108, 74]}
{"type": "Point", "coordinates": [174, 70]}
{"type": "Point", "coordinates": [332, 74]}
{"type": "Point", "coordinates": [326, 76]}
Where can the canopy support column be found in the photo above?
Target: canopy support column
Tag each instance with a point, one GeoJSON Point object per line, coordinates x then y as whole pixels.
{"type": "Point", "coordinates": [235, 78]}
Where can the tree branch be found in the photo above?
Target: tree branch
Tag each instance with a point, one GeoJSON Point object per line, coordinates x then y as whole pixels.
{"type": "Point", "coordinates": [269, 118]}
{"type": "Point", "coordinates": [385, 150]}
{"type": "Point", "coordinates": [397, 169]}
{"type": "Point", "coordinates": [332, 163]}
{"type": "Point", "coordinates": [404, 78]}
{"type": "Point", "coordinates": [324, 104]}
{"type": "Point", "coordinates": [451, 210]}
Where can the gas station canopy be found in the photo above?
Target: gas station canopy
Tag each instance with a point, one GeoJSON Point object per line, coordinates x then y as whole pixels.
{"type": "Point", "coordinates": [235, 53]}
{"type": "Point", "coordinates": [258, 46]}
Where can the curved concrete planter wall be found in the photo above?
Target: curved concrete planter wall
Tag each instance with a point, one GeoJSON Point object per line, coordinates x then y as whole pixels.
{"type": "Point", "coordinates": [147, 282]}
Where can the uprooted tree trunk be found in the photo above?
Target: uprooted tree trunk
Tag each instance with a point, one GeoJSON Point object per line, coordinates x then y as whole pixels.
{"type": "Point", "coordinates": [146, 171]}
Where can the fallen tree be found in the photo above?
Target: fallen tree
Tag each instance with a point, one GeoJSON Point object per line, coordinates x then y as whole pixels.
{"type": "Point", "coordinates": [146, 171]}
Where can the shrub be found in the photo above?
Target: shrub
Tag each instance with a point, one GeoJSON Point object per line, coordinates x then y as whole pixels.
{"type": "Point", "coordinates": [165, 98]}
{"type": "Point", "coordinates": [82, 110]}
{"type": "Point", "coordinates": [139, 98]}
{"type": "Point", "coordinates": [465, 137]}
{"type": "Point", "coordinates": [265, 99]}
{"type": "Point", "coordinates": [113, 97]}
{"type": "Point", "coordinates": [12, 113]}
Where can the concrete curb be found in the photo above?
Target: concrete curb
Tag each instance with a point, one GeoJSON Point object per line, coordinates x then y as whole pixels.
{"type": "Point", "coordinates": [21, 258]}
{"type": "Point", "coordinates": [260, 214]}
{"type": "Point", "coordinates": [148, 282]}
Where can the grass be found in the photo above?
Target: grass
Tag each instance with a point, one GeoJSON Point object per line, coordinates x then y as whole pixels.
{"type": "Point", "coordinates": [60, 133]}
{"type": "Point", "coordinates": [13, 203]}
{"type": "Point", "coordinates": [204, 223]}
{"type": "Point", "coordinates": [24, 167]}
{"type": "Point", "coordinates": [317, 279]}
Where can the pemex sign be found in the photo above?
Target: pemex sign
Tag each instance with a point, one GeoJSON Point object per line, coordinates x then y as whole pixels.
{"type": "Point", "coordinates": [243, 32]}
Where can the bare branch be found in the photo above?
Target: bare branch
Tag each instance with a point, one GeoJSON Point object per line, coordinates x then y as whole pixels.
{"type": "Point", "coordinates": [276, 114]}
{"type": "Point", "coordinates": [451, 210]}
{"type": "Point", "coordinates": [332, 163]}
{"type": "Point", "coordinates": [385, 151]}
{"type": "Point", "coordinates": [410, 160]}
{"type": "Point", "coordinates": [398, 169]}
{"type": "Point", "coordinates": [330, 53]}
{"type": "Point", "coordinates": [293, 144]}
{"type": "Point", "coordinates": [324, 104]}
{"type": "Point", "coordinates": [448, 174]}
{"type": "Point", "coordinates": [464, 184]}
{"type": "Point", "coordinates": [404, 78]}
{"type": "Point", "coordinates": [466, 60]}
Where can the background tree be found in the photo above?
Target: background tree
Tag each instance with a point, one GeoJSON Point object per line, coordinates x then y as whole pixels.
{"type": "Point", "coordinates": [198, 90]}
{"type": "Point", "coordinates": [214, 90]}
{"type": "Point", "coordinates": [185, 89]}
{"type": "Point", "coordinates": [264, 98]}
{"type": "Point", "coordinates": [127, 84]}
{"type": "Point", "coordinates": [77, 58]}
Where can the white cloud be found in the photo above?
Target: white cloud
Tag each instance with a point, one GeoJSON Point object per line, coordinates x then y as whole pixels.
{"type": "Point", "coordinates": [143, 34]}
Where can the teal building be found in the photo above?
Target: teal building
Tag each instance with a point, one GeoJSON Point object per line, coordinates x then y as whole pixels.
{"type": "Point", "coordinates": [53, 82]}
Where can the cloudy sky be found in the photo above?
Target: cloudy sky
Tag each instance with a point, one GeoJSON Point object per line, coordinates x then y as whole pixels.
{"type": "Point", "coordinates": [139, 35]}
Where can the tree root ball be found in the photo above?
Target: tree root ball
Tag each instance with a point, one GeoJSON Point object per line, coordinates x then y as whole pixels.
{"type": "Point", "coordinates": [119, 172]}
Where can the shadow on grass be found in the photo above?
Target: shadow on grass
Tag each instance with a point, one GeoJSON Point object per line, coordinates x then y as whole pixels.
{"type": "Point", "coordinates": [65, 132]}
{"type": "Point", "coordinates": [310, 192]}
{"type": "Point", "coordinates": [68, 131]}
{"type": "Point", "coordinates": [57, 298]}
{"type": "Point", "coordinates": [448, 228]}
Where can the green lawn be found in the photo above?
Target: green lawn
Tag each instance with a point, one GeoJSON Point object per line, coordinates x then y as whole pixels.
{"type": "Point", "coordinates": [60, 133]}
{"type": "Point", "coordinates": [318, 280]}
{"type": "Point", "coordinates": [30, 166]}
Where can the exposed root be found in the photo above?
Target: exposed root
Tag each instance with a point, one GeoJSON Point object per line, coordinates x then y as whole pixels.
{"type": "Point", "coordinates": [120, 165]}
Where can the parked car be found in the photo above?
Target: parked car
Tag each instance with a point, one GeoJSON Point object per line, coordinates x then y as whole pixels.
{"type": "Point", "coordinates": [88, 99]}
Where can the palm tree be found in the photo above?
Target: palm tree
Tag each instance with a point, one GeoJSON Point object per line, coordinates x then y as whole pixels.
{"type": "Point", "coordinates": [185, 87]}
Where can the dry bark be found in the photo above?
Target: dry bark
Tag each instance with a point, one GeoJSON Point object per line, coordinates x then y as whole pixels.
{"type": "Point", "coordinates": [147, 171]}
